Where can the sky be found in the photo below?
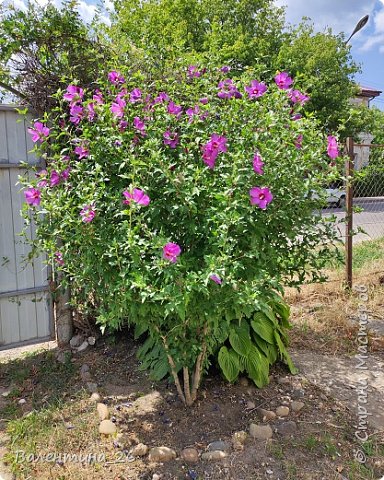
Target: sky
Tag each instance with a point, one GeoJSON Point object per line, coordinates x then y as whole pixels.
{"type": "Point", "coordinates": [367, 46]}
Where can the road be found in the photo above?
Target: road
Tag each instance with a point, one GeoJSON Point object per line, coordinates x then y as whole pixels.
{"type": "Point", "coordinates": [371, 220]}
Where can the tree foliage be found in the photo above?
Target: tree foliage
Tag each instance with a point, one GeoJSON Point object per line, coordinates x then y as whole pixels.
{"type": "Point", "coordinates": [42, 48]}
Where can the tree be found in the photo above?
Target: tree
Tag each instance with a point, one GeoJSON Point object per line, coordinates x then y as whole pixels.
{"type": "Point", "coordinates": [43, 48]}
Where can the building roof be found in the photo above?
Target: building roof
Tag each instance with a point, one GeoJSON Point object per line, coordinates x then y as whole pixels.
{"type": "Point", "coordinates": [368, 92]}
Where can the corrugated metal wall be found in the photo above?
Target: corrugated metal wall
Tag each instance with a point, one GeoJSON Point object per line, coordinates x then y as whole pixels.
{"type": "Point", "coordinates": [25, 310]}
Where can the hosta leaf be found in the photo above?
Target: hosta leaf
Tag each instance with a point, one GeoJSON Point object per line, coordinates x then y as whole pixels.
{"type": "Point", "coordinates": [229, 363]}
{"type": "Point", "coordinates": [263, 327]}
{"type": "Point", "coordinates": [240, 339]}
{"type": "Point", "coordinates": [257, 367]}
{"type": "Point", "coordinates": [284, 354]}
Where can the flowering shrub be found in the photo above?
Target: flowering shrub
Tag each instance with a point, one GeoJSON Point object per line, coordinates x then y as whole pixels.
{"type": "Point", "coordinates": [182, 209]}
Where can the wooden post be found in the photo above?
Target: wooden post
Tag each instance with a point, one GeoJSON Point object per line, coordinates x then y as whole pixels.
{"type": "Point", "coordinates": [349, 171]}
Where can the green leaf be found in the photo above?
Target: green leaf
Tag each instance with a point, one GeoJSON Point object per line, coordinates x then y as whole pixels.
{"type": "Point", "coordinates": [263, 327]}
{"type": "Point", "coordinates": [284, 312]}
{"type": "Point", "coordinates": [160, 368]}
{"type": "Point", "coordinates": [240, 339]}
{"type": "Point", "coordinates": [257, 367]}
{"type": "Point", "coordinates": [144, 349]}
{"type": "Point", "coordinates": [285, 355]}
{"type": "Point", "coordinates": [140, 328]}
{"type": "Point", "coordinates": [229, 363]}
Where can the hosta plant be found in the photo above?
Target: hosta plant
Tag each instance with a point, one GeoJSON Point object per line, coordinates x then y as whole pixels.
{"type": "Point", "coordinates": [182, 209]}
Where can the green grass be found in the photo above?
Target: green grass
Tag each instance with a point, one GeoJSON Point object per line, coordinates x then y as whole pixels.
{"type": "Point", "coordinates": [368, 252]}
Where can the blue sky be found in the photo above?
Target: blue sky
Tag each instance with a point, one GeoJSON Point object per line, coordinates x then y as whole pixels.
{"type": "Point", "coordinates": [367, 46]}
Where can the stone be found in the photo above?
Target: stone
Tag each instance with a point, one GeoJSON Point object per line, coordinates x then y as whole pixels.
{"type": "Point", "coordinates": [6, 393]}
{"type": "Point", "coordinates": [260, 432]}
{"type": "Point", "coordinates": [250, 405]}
{"type": "Point", "coordinates": [239, 437]}
{"type": "Point", "coordinates": [161, 454]}
{"type": "Point", "coordinates": [283, 380]}
{"type": "Point", "coordinates": [91, 387]}
{"type": "Point", "coordinates": [286, 428]}
{"type": "Point", "coordinates": [297, 406]}
{"type": "Point", "coordinates": [91, 340]}
{"type": "Point", "coordinates": [85, 374]}
{"type": "Point", "coordinates": [102, 411]}
{"type": "Point", "coordinates": [63, 356]}
{"type": "Point", "coordinates": [156, 476]}
{"type": "Point", "coordinates": [95, 397]}
{"type": "Point", "coordinates": [190, 455]}
{"type": "Point", "coordinates": [139, 450]}
{"type": "Point", "coordinates": [298, 393]}
{"type": "Point", "coordinates": [106, 427]}
{"type": "Point", "coordinates": [266, 414]}
{"type": "Point", "coordinates": [282, 411]}
{"type": "Point", "coordinates": [22, 401]}
{"type": "Point", "coordinates": [83, 346]}
{"type": "Point", "coordinates": [218, 445]}
{"type": "Point", "coordinates": [76, 340]}
{"type": "Point", "coordinates": [244, 382]}
{"type": "Point", "coordinates": [215, 455]}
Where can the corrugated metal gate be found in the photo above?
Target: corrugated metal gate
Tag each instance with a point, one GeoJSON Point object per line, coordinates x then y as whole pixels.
{"type": "Point", "coordinates": [25, 306]}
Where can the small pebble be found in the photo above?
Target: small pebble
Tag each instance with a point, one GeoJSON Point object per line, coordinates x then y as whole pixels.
{"type": "Point", "coordinates": [282, 411]}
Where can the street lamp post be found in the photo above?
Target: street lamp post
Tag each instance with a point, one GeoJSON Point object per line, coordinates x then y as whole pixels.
{"type": "Point", "coordinates": [360, 24]}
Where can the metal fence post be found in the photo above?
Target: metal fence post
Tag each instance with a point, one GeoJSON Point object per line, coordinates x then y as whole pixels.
{"type": "Point", "coordinates": [349, 169]}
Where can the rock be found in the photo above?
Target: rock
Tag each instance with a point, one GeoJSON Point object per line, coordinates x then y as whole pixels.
{"type": "Point", "coordinates": [250, 405]}
{"type": "Point", "coordinates": [76, 341]}
{"type": "Point", "coordinates": [161, 454]}
{"type": "Point", "coordinates": [297, 406]}
{"type": "Point", "coordinates": [260, 432]}
{"type": "Point", "coordinates": [83, 346]}
{"type": "Point", "coordinates": [266, 414]}
{"type": "Point", "coordinates": [244, 382]}
{"type": "Point", "coordinates": [6, 393]}
{"type": "Point", "coordinates": [240, 437]}
{"type": "Point", "coordinates": [91, 340]}
{"type": "Point", "coordinates": [218, 445]}
{"type": "Point", "coordinates": [85, 374]}
{"type": "Point", "coordinates": [216, 455]}
{"type": "Point", "coordinates": [156, 476]}
{"type": "Point", "coordinates": [190, 455]}
{"type": "Point", "coordinates": [22, 401]}
{"type": "Point", "coordinates": [95, 397]}
{"type": "Point", "coordinates": [298, 393]}
{"type": "Point", "coordinates": [139, 450]}
{"type": "Point", "coordinates": [107, 427]}
{"type": "Point", "coordinates": [103, 411]}
{"type": "Point", "coordinates": [84, 368]}
{"type": "Point", "coordinates": [287, 428]}
{"type": "Point", "coordinates": [91, 387]}
{"type": "Point", "coordinates": [63, 356]}
{"type": "Point", "coordinates": [283, 380]}
{"type": "Point", "coordinates": [282, 411]}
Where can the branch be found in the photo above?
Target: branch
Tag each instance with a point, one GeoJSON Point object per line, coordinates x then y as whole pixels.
{"type": "Point", "coordinates": [13, 90]}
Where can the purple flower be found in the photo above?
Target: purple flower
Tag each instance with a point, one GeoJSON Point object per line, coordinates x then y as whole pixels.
{"type": "Point", "coordinates": [162, 97]}
{"type": "Point", "coordinates": [135, 95]}
{"type": "Point", "coordinates": [32, 196]}
{"type": "Point", "coordinates": [39, 132]}
{"type": "Point", "coordinates": [59, 258]}
{"type": "Point", "coordinates": [65, 174]}
{"type": "Point", "coordinates": [123, 125]}
{"type": "Point", "coordinates": [171, 138]}
{"type": "Point", "coordinates": [138, 196]}
{"type": "Point", "coordinates": [191, 112]}
{"type": "Point", "coordinates": [193, 72]}
{"type": "Point", "coordinates": [296, 116]}
{"type": "Point", "coordinates": [54, 179]}
{"type": "Point", "coordinates": [74, 94]}
{"type": "Point", "coordinates": [117, 107]}
{"type": "Point", "coordinates": [174, 109]}
{"type": "Point", "coordinates": [260, 197]}
{"type": "Point", "coordinates": [258, 164]}
{"type": "Point", "coordinates": [332, 148]}
{"type": "Point", "coordinates": [115, 77]}
{"type": "Point", "coordinates": [44, 182]}
{"type": "Point", "coordinates": [171, 251]}
{"type": "Point", "coordinates": [203, 100]}
{"type": "Point", "coordinates": [297, 97]}
{"type": "Point", "coordinates": [225, 69]}
{"type": "Point", "coordinates": [299, 142]}
{"type": "Point", "coordinates": [217, 144]}
{"type": "Point", "coordinates": [98, 97]}
{"type": "Point", "coordinates": [91, 111]}
{"type": "Point", "coordinates": [139, 125]}
{"type": "Point", "coordinates": [88, 213]}
{"type": "Point", "coordinates": [256, 89]}
{"type": "Point", "coordinates": [283, 80]}
{"type": "Point", "coordinates": [228, 89]}
{"type": "Point", "coordinates": [81, 151]}
{"type": "Point", "coordinates": [76, 113]}
{"type": "Point", "coordinates": [216, 279]}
